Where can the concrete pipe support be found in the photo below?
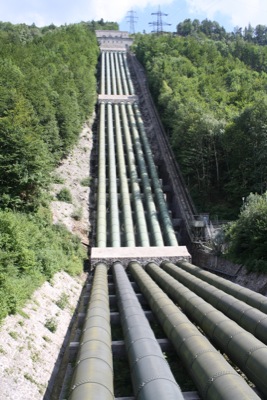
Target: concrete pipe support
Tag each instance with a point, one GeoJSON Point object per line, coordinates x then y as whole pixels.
{"type": "Point", "coordinates": [151, 376]}
{"type": "Point", "coordinates": [213, 376]}
{"type": "Point", "coordinates": [93, 372]}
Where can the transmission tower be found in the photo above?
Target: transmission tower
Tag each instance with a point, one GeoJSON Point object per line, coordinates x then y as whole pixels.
{"type": "Point", "coordinates": [132, 18]}
{"type": "Point", "coordinates": [158, 25]}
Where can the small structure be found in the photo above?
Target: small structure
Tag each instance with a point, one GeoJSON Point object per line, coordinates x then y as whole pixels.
{"type": "Point", "coordinates": [143, 255]}
{"type": "Point", "coordinates": [114, 40]}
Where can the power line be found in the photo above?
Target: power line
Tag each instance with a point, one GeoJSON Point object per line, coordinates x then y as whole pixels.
{"type": "Point", "coordinates": [131, 19]}
{"type": "Point", "coordinates": [159, 23]}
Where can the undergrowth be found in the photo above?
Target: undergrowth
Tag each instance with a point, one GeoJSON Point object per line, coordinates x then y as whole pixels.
{"type": "Point", "coordinates": [32, 250]}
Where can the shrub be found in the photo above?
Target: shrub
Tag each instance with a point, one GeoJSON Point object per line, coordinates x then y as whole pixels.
{"type": "Point", "coordinates": [51, 324]}
{"type": "Point", "coordinates": [64, 195]}
{"type": "Point", "coordinates": [247, 236]}
{"type": "Point", "coordinates": [31, 251]}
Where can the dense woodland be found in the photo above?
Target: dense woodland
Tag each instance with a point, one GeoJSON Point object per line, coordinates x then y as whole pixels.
{"type": "Point", "coordinates": [212, 101]}
{"type": "Point", "coordinates": [47, 91]}
{"type": "Point", "coordinates": [210, 89]}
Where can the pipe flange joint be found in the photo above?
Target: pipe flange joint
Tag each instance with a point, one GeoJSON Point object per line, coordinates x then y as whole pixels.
{"type": "Point", "coordinates": [251, 351]}
{"type": "Point", "coordinates": [154, 378]}
{"type": "Point", "coordinates": [214, 377]}
{"type": "Point", "coordinates": [200, 354]}
{"type": "Point", "coordinates": [90, 381]}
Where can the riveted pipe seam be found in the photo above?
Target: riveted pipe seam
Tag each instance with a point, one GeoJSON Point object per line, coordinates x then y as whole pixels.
{"type": "Point", "coordinates": [205, 366]}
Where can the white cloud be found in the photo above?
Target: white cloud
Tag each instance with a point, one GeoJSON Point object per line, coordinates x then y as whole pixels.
{"type": "Point", "coordinates": [240, 12]}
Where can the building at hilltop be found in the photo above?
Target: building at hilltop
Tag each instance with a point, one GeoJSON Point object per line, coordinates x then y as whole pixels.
{"type": "Point", "coordinates": [114, 40]}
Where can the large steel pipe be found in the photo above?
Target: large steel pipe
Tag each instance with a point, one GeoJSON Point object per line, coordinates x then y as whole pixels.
{"type": "Point", "coordinates": [254, 299]}
{"type": "Point", "coordinates": [246, 316]}
{"type": "Point", "coordinates": [108, 77]}
{"type": "Point", "coordinates": [128, 74]}
{"type": "Point", "coordinates": [128, 226]}
{"type": "Point", "coordinates": [151, 376]}
{"type": "Point", "coordinates": [159, 195]}
{"type": "Point", "coordinates": [103, 71]}
{"type": "Point", "coordinates": [101, 222]}
{"type": "Point", "coordinates": [152, 214]}
{"type": "Point", "coordinates": [126, 90]}
{"type": "Point", "coordinates": [247, 352]}
{"type": "Point", "coordinates": [115, 235]}
{"type": "Point", "coordinates": [213, 376]}
{"type": "Point", "coordinates": [113, 74]}
{"type": "Point", "coordinates": [140, 217]}
{"type": "Point", "coordinates": [93, 372]}
{"type": "Point", "coordinates": [118, 74]}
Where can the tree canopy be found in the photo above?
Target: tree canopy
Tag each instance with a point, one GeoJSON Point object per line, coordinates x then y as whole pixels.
{"type": "Point", "coordinates": [47, 90]}
{"type": "Point", "coordinates": [212, 102]}
{"type": "Point", "coordinates": [247, 236]}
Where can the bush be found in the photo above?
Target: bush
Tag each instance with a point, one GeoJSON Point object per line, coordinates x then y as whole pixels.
{"type": "Point", "coordinates": [247, 236]}
{"type": "Point", "coordinates": [63, 301]}
{"type": "Point", "coordinates": [64, 195]}
{"type": "Point", "coordinates": [51, 324]}
{"type": "Point", "coordinates": [31, 251]}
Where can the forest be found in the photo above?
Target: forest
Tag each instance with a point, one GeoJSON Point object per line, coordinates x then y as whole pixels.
{"type": "Point", "coordinates": [212, 102]}
{"type": "Point", "coordinates": [210, 88]}
{"type": "Point", "coordinates": [47, 91]}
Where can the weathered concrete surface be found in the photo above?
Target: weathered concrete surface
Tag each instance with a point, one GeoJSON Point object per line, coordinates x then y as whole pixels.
{"type": "Point", "coordinates": [140, 254]}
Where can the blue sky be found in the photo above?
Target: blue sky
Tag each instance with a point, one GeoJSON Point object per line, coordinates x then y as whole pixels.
{"type": "Point", "coordinates": [229, 13]}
